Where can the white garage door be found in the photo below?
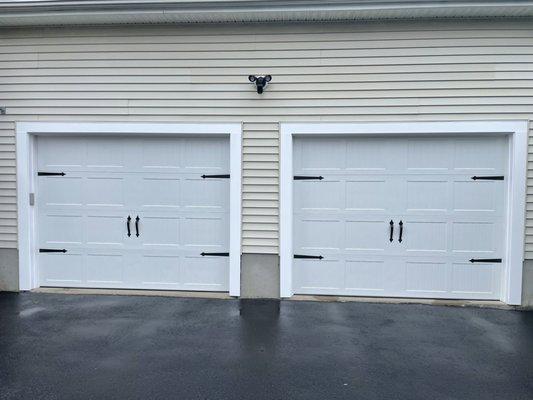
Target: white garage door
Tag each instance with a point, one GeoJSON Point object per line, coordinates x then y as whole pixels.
{"type": "Point", "coordinates": [133, 212]}
{"type": "Point", "coordinates": [406, 217]}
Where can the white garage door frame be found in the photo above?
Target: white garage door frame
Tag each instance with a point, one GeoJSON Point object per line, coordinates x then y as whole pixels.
{"type": "Point", "coordinates": [26, 134]}
{"type": "Point", "coordinates": [517, 133]}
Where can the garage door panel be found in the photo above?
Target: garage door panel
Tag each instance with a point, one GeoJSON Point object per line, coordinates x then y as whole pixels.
{"type": "Point", "coordinates": [423, 182]}
{"type": "Point", "coordinates": [159, 192]}
{"type": "Point", "coordinates": [367, 235]}
{"type": "Point", "coordinates": [62, 191]}
{"type": "Point", "coordinates": [61, 229]}
{"type": "Point", "coordinates": [61, 153]}
{"type": "Point", "coordinates": [105, 191]}
{"type": "Point", "coordinates": [158, 271]}
{"type": "Point", "coordinates": [104, 269]}
{"type": "Point", "coordinates": [318, 234]}
{"type": "Point", "coordinates": [106, 154]}
{"type": "Point", "coordinates": [486, 155]}
{"type": "Point", "coordinates": [159, 154]}
{"type": "Point", "coordinates": [209, 154]}
{"type": "Point", "coordinates": [206, 232]}
{"type": "Point", "coordinates": [324, 195]}
{"type": "Point", "coordinates": [429, 154]}
{"type": "Point", "coordinates": [367, 195]}
{"type": "Point", "coordinates": [107, 230]}
{"type": "Point", "coordinates": [159, 230]}
{"type": "Point", "coordinates": [61, 269]}
{"type": "Point", "coordinates": [205, 194]}
{"type": "Point", "coordinates": [205, 273]}
{"type": "Point", "coordinates": [321, 277]}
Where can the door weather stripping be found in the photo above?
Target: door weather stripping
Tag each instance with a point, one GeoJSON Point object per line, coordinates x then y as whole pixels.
{"type": "Point", "coordinates": [203, 254]}
{"type": "Point", "coordinates": [305, 177]}
{"type": "Point", "coordinates": [52, 250]}
{"type": "Point", "coordinates": [308, 257]}
{"type": "Point", "coordinates": [488, 178]}
{"type": "Point", "coordinates": [50, 174]}
{"type": "Point", "coordinates": [226, 176]}
{"type": "Point", "coordinates": [485, 260]}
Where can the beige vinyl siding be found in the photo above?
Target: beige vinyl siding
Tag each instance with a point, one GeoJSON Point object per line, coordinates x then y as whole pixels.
{"type": "Point", "coordinates": [402, 71]}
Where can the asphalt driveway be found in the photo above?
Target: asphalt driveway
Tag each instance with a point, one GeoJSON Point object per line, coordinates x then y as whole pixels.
{"type": "Point", "coordinates": [120, 347]}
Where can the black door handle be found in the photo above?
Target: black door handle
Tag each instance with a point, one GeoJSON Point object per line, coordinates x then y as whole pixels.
{"type": "Point", "coordinates": [128, 220]}
{"type": "Point", "coordinates": [137, 226]}
{"type": "Point", "coordinates": [401, 231]}
{"type": "Point", "coordinates": [391, 223]}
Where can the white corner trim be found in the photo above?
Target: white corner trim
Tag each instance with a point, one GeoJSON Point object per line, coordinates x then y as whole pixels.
{"type": "Point", "coordinates": [25, 138]}
{"type": "Point", "coordinates": [517, 131]}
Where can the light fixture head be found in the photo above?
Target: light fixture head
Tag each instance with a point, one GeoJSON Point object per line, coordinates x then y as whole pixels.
{"type": "Point", "coordinates": [260, 81]}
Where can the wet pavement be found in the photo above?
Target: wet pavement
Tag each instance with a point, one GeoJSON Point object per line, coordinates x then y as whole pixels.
{"type": "Point", "coordinates": [55, 346]}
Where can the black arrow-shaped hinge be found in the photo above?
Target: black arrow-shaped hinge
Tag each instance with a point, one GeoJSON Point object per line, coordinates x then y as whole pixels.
{"type": "Point", "coordinates": [488, 178]}
{"type": "Point", "coordinates": [52, 250]}
{"type": "Point", "coordinates": [485, 260]}
{"type": "Point", "coordinates": [225, 176]}
{"type": "Point", "coordinates": [203, 254]}
{"type": "Point", "coordinates": [308, 257]}
{"type": "Point", "coordinates": [306, 177]}
{"type": "Point", "coordinates": [50, 174]}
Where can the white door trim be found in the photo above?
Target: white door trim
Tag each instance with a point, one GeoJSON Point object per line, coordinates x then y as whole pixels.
{"type": "Point", "coordinates": [25, 136]}
{"type": "Point", "coordinates": [517, 131]}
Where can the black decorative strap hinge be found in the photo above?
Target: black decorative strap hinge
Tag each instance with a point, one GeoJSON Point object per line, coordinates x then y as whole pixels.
{"type": "Point", "coordinates": [308, 257]}
{"type": "Point", "coordinates": [52, 250]}
{"type": "Point", "coordinates": [203, 254]}
{"type": "Point", "coordinates": [50, 174]}
{"type": "Point", "coordinates": [224, 176]}
{"type": "Point", "coordinates": [488, 178]}
{"type": "Point", "coordinates": [485, 260]}
{"type": "Point", "coordinates": [306, 177]}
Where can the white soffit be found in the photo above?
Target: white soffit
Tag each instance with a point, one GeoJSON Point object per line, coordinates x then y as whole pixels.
{"type": "Point", "coordinates": [46, 12]}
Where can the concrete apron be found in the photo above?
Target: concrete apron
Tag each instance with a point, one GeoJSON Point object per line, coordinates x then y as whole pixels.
{"type": "Point", "coordinates": [225, 296]}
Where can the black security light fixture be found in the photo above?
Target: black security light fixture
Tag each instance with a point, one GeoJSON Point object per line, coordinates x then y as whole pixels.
{"type": "Point", "coordinates": [260, 81]}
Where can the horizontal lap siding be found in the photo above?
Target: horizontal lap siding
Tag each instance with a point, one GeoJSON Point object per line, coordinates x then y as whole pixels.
{"type": "Point", "coordinates": [321, 72]}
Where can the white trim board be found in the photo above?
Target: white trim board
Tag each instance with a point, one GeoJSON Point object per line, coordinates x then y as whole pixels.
{"type": "Point", "coordinates": [26, 133]}
{"type": "Point", "coordinates": [517, 131]}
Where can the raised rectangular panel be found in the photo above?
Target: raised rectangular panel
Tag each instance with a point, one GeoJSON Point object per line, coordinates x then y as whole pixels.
{"type": "Point", "coordinates": [365, 275]}
{"type": "Point", "coordinates": [366, 235]}
{"type": "Point", "coordinates": [105, 230]}
{"type": "Point", "coordinates": [427, 195]}
{"type": "Point", "coordinates": [429, 154]}
{"type": "Point", "coordinates": [473, 236]}
{"type": "Point", "coordinates": [479, 154]}
{"type": "Point", "coordinates": [60, 152]}
{"type": "Point", "coordinates": [207, 273]}
{"type": "Point", "coordinates": [160, 192]}
{"type": "Point", "coordinates": [424, 236]}
{"type": "Point", "coordinates": [369, 154]}
{"type": "Point", "coordinates": [320, 195]}
{"type": "Point", "coordinates": [318, 234]}
{"type": "Point", "coordinates": [161, 154]}
{"type": "Point", "coordinates": [322, 154]}
{"type": "Point", "coordinates": [60, 269]}
{"type": "Point", "coordinates": [61, 191]}
{"type": "Point", "coordinates": [104, 192]}
{"type": "Point", "coordinates": [105, 153]}
{"type": "Point", "coordinates": [105, 268]}
{"type": "Point", "coordinates": [155, 269]}
{"type": "Point", "coordinates": [159, 231]}
{"type": "Point", "coordinates": [473, 278]}
{"type": "Point", "coordinates": [207, 194]}
{"type": "Point", "coordinates": [475, 196]}
{"type": "Point", "coordinates": [61, 229]}
{"type": "Point", "coordinates": [426, 276]}
{"type": "Point", "coordinates": [204, 232]}
{"type": "Point", "coordinates": [322, 275]}
{"type": "Point", "coordinates": [206, 154]}
{"type": "Point", "coordinates": [366, 195]}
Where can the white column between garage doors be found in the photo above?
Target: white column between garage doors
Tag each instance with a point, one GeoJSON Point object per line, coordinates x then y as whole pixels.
{"type": "Point", "coordinates": [514, 213]}
{"type": "Point", "coordinates": [27, 134]}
